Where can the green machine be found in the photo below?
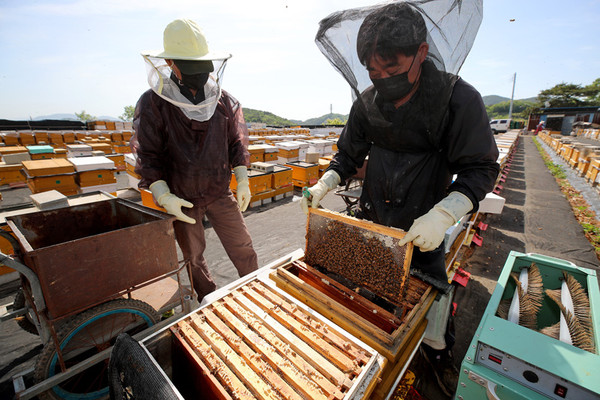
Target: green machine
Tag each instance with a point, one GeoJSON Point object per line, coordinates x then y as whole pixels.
{"type": "Point", "coordinates": [507, 360]}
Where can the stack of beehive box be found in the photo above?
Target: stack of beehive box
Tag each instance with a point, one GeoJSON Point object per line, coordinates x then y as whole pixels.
{"type": "Point", "coordinates": [584, 158]}
{"type": "Point", "coordinates": [287, 152]}
{"type": "Point", "coordinates": [268, 182]}
{"type": "Point", "coordinates": [303, 173]}
{"type": "Point", "coordinates": [134, 178]}
{"type": "Point", "coordinates": [52, 174]}
{"type": "Point", "coordinates": [96, 173]}
{"type": "Point", "coordinates": [79, 150]}
{"type": "Point", "coordinates": [270, 153]}
{"type": "Point", "coordinates": [257, 153]}
{"type": "Point", "coordinates": [11, 165]}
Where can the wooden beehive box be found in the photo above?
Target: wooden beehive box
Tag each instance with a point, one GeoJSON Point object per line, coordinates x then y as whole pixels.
{"type": "Point", "coordinates": [256, 343]}
{"type": "Point", "coordinates": [281, 177]}
{"type": "Point", "coordinates": [259, 181]}
{"type": "Point", "coordinates": [10, 173]}
{"type": "Point", "coordinates": [355, 274]}
{"type": "Point", "coordinates": [303, 173]}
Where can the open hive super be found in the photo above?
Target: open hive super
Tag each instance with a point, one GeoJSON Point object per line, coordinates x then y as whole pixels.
{"type": "Point", "coordinates": [355, 274]}
{"type": "Point", "coordinates": [254, 343]}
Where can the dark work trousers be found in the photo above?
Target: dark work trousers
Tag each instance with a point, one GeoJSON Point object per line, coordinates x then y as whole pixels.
{"type": "Point", "coordinates": [227, 221]}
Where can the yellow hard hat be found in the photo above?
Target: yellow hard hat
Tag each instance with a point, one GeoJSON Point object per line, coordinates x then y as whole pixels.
{"type": "Point", "coordinates": [184, 40]}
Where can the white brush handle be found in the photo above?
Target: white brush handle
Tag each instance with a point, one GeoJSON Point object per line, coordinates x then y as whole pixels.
{"type": "Point", "coordinates": [515, 307]}
{"type": "Point", "coordinates": [567, 302]}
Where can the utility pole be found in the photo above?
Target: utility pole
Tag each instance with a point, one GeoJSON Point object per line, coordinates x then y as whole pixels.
{"type": "Point", "coordinates": [512, 97]}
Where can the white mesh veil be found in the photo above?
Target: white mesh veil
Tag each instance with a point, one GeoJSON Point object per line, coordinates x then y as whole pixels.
{"type": "Point", "coordinates": [451, 29]}
{"type": "Point", "coordinates": [159, 74]}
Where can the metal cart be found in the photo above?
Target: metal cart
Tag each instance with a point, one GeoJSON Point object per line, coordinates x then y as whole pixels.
{"type": "Point", "coordinates": [80, 267]}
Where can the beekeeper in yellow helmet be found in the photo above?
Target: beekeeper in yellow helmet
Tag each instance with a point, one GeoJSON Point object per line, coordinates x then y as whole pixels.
{"type": "Point", "coordinates": [189, 135]}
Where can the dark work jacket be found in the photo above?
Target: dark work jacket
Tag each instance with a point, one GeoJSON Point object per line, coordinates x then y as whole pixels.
{"type": "Point", "coordinates": [412, 158]}
{"type": "Point", "coordinates": [194, 158]}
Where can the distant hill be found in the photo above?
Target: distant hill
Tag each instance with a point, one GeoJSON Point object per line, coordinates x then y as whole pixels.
{"type": "Point", "coordinates": [265, 117]}
{"type": "Point", "coordinates": [268, 118]}
{"type": "Point", "coordinates": [321, 120]}
{"type": "Point", "coordinates": [494, 99]}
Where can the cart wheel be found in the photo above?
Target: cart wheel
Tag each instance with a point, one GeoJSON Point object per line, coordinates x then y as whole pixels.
{"type": "Point", "coordinates": [24, 321]}
{"type": "Point", "coordinates": [83, 336]}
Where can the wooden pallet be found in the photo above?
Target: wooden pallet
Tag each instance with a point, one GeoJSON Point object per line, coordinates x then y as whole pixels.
{"type": "Point", "coordinates": [254, 343]}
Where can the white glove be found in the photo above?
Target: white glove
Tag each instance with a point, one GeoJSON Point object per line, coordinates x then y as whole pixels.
{"type": "Point", "coordinates": [170, 202]}
{"type": "Point", "coordinates": [328, 181]}
{"type": "Point", "coordinates": [242, 192]}
{"type": "Point", "coordinates": [427, 232]}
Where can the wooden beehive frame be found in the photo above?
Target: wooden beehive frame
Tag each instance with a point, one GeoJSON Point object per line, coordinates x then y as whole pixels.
{"type": "Point", "coordinates": [388, 280]}
{"type": "Point", "coordinates": [255, 343]}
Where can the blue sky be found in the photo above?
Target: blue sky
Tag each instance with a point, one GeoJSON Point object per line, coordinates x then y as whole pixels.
{"type": "Point", "coordinates": [73, 55]}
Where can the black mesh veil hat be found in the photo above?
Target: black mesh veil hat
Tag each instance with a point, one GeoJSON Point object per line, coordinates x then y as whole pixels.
{"type": "Point", "coordinates": [448, 26]}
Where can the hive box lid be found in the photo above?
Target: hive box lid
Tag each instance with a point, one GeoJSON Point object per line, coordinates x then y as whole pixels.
{"type": "Point", "coordinates": [79, 147]}
{"type": "Point", "coordinates": [49, 200]}
{"type": "Point", "coordinates": [50, 166]}
{"type": "Point", "coordinates": [91, 163]}
{"type": "Point", "coordinates": [40, 149]}
{"type": "Point", "coordinates": [13, 149]}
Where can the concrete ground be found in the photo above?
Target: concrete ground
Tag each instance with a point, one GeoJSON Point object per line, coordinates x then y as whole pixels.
{"type": "Point", "coordinates": [536, 218]}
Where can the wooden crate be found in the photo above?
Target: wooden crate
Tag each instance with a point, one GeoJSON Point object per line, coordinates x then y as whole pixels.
{"type": "Point", "coordinates": [303, 173]}
{"type": "Point", "coordinates": [257, 343]}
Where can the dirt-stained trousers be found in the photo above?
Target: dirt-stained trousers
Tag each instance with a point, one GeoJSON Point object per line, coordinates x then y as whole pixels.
{"type": "Point", "coordinates": [228, 223]}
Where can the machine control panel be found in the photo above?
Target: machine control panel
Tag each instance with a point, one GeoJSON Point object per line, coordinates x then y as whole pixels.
{"type": "Point", "coordinates": [531, 376]}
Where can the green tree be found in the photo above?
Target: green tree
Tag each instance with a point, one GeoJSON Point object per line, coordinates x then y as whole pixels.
{"type": "Point", "coordinates": [592, 91]}
{"type": "Point", "coordinates": [501, 110]}
{"type": "Point", "coordinates": [128, 112]}
{"type": "Point", "coordinates": [84, 117]}
{"type": "Point", "coordinates": [564, 95]}
{"type": "Point", "coordinates": [334, 121]}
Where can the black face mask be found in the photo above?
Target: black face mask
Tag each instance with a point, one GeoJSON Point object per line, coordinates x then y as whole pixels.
{"type": "Point", "coordinates": [196, 81]}
{"type": "Point", "coordinates": [395, 87]}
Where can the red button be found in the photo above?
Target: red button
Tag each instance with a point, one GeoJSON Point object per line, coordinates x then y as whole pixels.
{"type": "Point", "coordinates": [560, 391]}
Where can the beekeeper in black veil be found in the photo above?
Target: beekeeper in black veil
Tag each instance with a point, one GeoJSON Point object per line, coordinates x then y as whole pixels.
{"type": "Point", "coordinates": [419, 123]}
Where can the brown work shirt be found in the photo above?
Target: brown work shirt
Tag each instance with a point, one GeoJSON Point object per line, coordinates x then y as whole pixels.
{"type": "Point", "coordinates": [194, 158]}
